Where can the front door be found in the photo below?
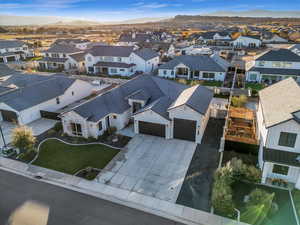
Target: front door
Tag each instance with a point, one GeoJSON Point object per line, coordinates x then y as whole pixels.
{"type": "Point", "coordinates": [107, 122]}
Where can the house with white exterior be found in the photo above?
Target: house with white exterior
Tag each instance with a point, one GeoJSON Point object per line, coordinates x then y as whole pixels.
{"type": "Point", "coordinates": [25, 98]}
{"type": "Point", "coordinates": [81, 44]}
{"type": "Point", "coordinates": [214, 36]}
{"type": "Point", "coordinates": [273, 66]}
{"type": "Point", "coordinates": [146, 60]}
{"type": "Point", "coordinates": [247, 42]}
{"type": "Point", "coordinates": [157, 106]}
{"type": "Point", "coordinates": [14, 51]}
{"type": "Point", "coordinates": [278, 119]}
{"type": "Point", "coordinates": [110, 60]}
{"type": "Point", "coordinates": [57, 58]}
{"type": "Point", "coordinates": [198, 67]}
{"type": "Point", "coordinates": [274, 39]}
{"type": "Point", "coordinates": [134, 38]}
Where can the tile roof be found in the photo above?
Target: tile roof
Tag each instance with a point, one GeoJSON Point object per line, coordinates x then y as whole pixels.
{"type": "Point", "coordinates": [282, 55]}
{"type": "Point", "coordinates": [199, 62]}
{"type": "Point", "coordinates": [116, 51]}
{"type": "Point", "coordinates": [279, 101]}
{"type": "Point", "coordinates": [146, 53]}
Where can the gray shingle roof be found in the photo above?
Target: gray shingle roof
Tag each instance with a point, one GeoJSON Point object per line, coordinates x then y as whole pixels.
{"type": "Point", "coordinates": [78, 57]}
{"type": "Point", "coordinates": [29, 96]}
{"type": "Point", "coordinates": [287, 72]}
{"type": "Point", "coordinates": [159, 95]}
{"type": "Point", "coordinates": [11, 44]}
{"type": "Point", "coordinates": [62, 48]}
{"type": "Point", "coordinates": [281, 157]}
{"type": "Point", "coordinates": [146, 53]}
{"type": "Point", "coordinates": [23, 80]}
{"type": "Point", "coordinates": [197, 97]}
{"type": "Point", "coordinates": [5, 70]}
{"type": "Point", "coordinates": [116, 51]}
{"type": "Point", "coordinates": [114, 64]}
{"type": "Point", "coordinates": [279, 101]}
{"type": "Point", "coordinates": [201, 63]}
{"type": "Point", "coordinates": [283, 55]}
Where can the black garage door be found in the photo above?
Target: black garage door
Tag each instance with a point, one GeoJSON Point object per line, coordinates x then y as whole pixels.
{"type": "Point", "coordinates": [9, 116]}
{"type": "Point", "coordinates": [50, 115]}
{"type": "Point", "coordinates": [184, 129]}
{"type": "Point", "coordinates": [154, 129]}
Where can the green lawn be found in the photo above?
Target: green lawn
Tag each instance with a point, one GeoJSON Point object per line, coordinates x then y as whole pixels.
{"type": "Point", "coordinates": [284, 215]}
{"type": "Point", "coordinates": [70, 159]}
{"type": "Point", "coordinates": [255, 86]}
{"type": "Point", "coordinates": [212, 83]}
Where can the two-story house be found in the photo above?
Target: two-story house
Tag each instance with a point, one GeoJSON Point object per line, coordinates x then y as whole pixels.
{"type": "Point", "coordinates": [146, 60]}
{"type": "Point", "coordinates": [278, 119]}
{"type": "Point", "coordinates": [273, 66]}
{"type": "Point", "coordinates": [81, 44]}
{"type": "Point", "coordinates": [198, 67]}
{"type": "Point", "coordinates": [134, 38]}
{"type": "Point", "coordinates": [57, 58]}
{"type": "Point", "coordinates": [214, 37]}
{"type": "Point", "coordinates": [110, 60]}
{"type": "Point", "coordinates": [13, 50]}
{"type": "Point", "coordinates": [247, 42]}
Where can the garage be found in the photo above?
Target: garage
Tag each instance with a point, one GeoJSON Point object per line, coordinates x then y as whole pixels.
{"type": "Point", "coordinates": [154, 129]}
{"type": "Point", "coordinates": [185, 129]}
{"type": "Point", "coordinates": [9, 116]}
{"type": "Point", "coordinates": [11, 58]}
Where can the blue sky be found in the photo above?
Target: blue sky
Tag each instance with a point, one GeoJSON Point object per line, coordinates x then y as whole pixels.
{"type": "Point", "coordinates": [113, 10]}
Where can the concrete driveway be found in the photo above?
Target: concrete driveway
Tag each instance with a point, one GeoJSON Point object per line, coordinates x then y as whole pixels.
{"type": "Point", "coordinates": [151, 166]}
{"type": "Point", "coordinates": [38, 127]}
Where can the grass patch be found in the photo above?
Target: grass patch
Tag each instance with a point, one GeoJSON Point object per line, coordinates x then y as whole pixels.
{"type": "Point", "coordinates": [255, 86]}
{"type": "Point", "coordinates": [212, 83]}
{"type": "Point", "coordinates": [27, 157]}
{"type": "Point", "coordinates": [69, 159]}
{"type": "Point", "coordinates": [284, 214]}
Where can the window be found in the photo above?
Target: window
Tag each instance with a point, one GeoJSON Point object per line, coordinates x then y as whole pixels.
{"type": "Point", "coordinates": [122, 70]}
{"type": "Point", "coordinates": [196, 73]}
{"type": "Point", "coordinates": [54, 64]}
{"type": "Point", "coordinates": [261, 63]}
{"type": "Point", "coordinates": [76, 129]}
{"type": "Point", "coordinates": [113, 70]}
{"type": "Point", "coordinates": [72, 93]}
{"type": "Point", "coordinates": [165, 72]}
{"type": "Point", "coordinates": [55, 55]}
{"type": "Point", "coordinates": [119, 59]}
{"type": "Point", "coordinates": [283, 170]}
{"type": "Point", "coordinates": [208, 75]}
{"type": "Point", "coordinates": [100, 126]}
{"type": "Point", "coordinates": [287, 139]}
{"type": "Point", "coordinates": [136, 106]}
{"type": "Point", "coordinates": [172, 72]}
{"type": "Point", "coordinates": [253, 77]}
{"type": "Point", "coordinates": [57, 101]}
{"type": "Point", "coordinates": [91, 69]}
{"type": "Point", "coordinates": [89, 59]}
{"type": "Point", "coordinates": [64, 55]}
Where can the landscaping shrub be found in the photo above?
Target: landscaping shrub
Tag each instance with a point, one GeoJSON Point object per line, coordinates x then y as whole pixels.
{"type": "Point", "coordinates": [91, 140]}
{"type": "Point", "coordinates": [23, 139]}
{"type": "Point", "coordinates": [239, 101]}
{"type": "Point", "coordinates": [58, 127]}
{"type": "Point", "coordinates": [51, 132]}
{"type": "Point", "coordinates": [259, 206]}
{"type": "Point", "coordinates": [241, 147]}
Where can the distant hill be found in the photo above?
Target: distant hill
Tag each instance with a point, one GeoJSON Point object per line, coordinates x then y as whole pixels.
{"type": "Point", "coordinates": [74, 23]}
{"type": "Point", "coordinates": [257, 13]}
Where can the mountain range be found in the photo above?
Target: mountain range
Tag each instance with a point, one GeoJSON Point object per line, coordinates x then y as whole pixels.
{"type": "Point", "coordinates": [13, 20]}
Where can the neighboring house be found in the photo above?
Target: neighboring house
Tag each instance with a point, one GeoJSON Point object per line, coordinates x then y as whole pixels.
{"type": "Point", "coordinates": [13, 50]}
{"type": "Point", "coordinates": [200, 67]}
{"type": "Point", "coordinates": [26, 98]}
{"type": "Point", "coordinates": [57, 58]}
{"type": "Point", "coordinates": [131, 39]}
{"type": "Point", "coordinates": [157, 106]}
{"type": "Point", "coordinates": [274, 39]}
{"type": "Point", "coordinates": [295, 48]}
{"type": "Point", "coordinates": [110, 60]}
{"type": "Point", "coordinates": [81, 44]}
{"type": "Point", "coordinates": [146, 60]}
{"type": "Point", "coordinates": [214, 36]}
{"type": "Point", "coordinates": [247, 42]}
{"type": "Point", "coordinates": [76, 61]}
{"type": "Point", "coordinates": [273, 66]}
{"type": "Point", "coordinates": [164, 49]}
{"type": "Point", "coordinates": [278, 121]}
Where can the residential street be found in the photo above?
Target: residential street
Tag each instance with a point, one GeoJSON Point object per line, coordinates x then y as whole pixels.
{"type": "Point", "coordinates": [66, 206]}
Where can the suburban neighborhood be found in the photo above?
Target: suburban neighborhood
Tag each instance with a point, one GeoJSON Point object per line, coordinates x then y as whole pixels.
{"type": "Point", "coordinates": [190, 119]}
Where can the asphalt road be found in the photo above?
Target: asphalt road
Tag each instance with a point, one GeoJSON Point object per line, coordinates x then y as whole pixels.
{"type": "Point", "coordinates": [68, 207]}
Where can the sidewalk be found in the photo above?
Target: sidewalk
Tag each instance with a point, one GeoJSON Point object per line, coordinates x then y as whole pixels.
{"type": "Point", "coordinates": [131, 199]}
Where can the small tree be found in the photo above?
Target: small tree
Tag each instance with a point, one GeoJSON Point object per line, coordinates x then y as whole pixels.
{"type": "Point", "coordinates": [23, 139]}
